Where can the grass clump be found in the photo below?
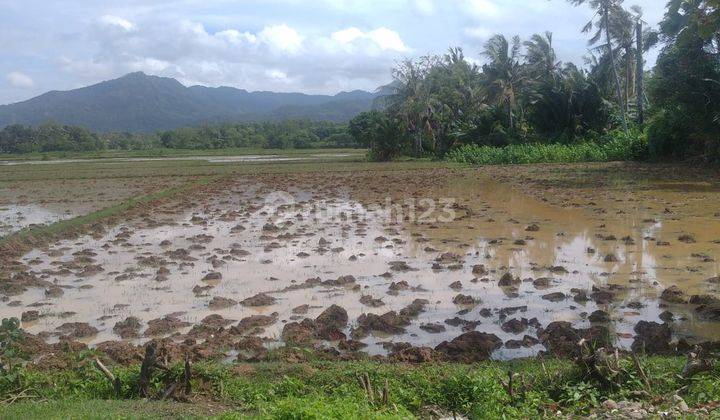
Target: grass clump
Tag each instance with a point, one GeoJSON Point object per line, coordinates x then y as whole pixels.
{"type": "Point", "coordinates": [330, 389]}
{"type": "Point", "coordinates": [615, 147]}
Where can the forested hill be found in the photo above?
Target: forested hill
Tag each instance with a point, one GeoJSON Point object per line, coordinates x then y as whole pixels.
{"type": "Point", "coordinates": [141, 103]}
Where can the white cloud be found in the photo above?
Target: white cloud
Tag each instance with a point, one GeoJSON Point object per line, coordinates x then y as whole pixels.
{"type": "Point", "coordinates": [479, 32]}
{"type": "Point", "coordinates": [117, 22]}
{"type": "Point", "coordinates": [482, 8]}
{"type": "Point", "coordinates": [346, 36]}
{"type": "Point", "coordinates": [383, 39]}
{"type": "Point", "coordinates": [424, 7]}
{"type": "Point", "coordinates": [387, 39]}
{"type": "Point", "coordinates": [276, 74]}
{"type": "Point", "coordinates": [321, 46]}
{"type": "Point", "coordinates": [235, 36]}
{"type": "Point", "coordinates": [282, 38]}
{"type": "Point", "coordinates": [20, 80]}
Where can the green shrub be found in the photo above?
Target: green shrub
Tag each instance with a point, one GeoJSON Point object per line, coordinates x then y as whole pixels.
{"type": "Point", "coordinates": [613, 147]}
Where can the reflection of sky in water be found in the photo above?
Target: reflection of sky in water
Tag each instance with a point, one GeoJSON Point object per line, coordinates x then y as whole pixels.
{"type": "Point", "coordinates": [17, 217]}
{"type": "Point", "coordinates": [563, 240]}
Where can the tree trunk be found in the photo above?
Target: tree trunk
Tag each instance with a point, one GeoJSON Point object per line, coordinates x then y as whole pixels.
{"type": "Point", "coordinates": [418, 144]}
{"type": "Point", "coordinates": [618, 91]}
{"type": "Point", "coordinates": [629, 76]}
{"type": "Point", "coordinates": [511, 120]}
{"type": "Point", "coordinates": [639, 68]}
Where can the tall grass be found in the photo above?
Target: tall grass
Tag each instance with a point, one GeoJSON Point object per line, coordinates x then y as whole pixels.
{"type": "Point", "coordinates": [615, 148]}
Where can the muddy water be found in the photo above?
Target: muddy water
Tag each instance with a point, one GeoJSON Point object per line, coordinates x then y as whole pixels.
{"type": "Point", "coordinates": [259, 245]}
{"type": "Point", "coordinates": [16, 217]}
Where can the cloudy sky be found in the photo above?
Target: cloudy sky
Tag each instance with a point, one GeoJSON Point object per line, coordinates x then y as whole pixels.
{"type": "Point", "coordinates": [313, 46]}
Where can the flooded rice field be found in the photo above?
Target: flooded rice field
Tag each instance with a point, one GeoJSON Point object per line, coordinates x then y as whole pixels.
{"type": "Point", "coordinates": [380, 261]}
{"type": "Point", "coordinates": [25, 203]}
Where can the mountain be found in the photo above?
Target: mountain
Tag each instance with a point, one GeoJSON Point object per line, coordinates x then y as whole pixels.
{"type": "Point", "coordinates": [141, 103]}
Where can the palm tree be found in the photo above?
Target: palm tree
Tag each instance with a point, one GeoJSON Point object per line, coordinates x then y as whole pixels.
{"type": "Point", "coordinates": [540, 56]}
{"type": "Point", "coordinates": [504, 73]}
{"type": "Point", "coordinates": [604, 10]}
{"type": "Point", "coordinates": [412, 102]}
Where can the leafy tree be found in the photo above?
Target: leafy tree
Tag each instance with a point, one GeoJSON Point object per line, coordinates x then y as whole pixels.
{"type": "Point", "coordinates": [607, 12]}
{"type": "Point", "coordinates": [504, 76]}
{"type": "Point", "coordinates": [385, 136]}
{"type": "Point", "coordinates": [685, 87]}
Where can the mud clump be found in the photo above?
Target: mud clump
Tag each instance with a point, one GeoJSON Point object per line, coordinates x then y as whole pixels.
{"type": "Point", "coordinates": [254, 324]}
{"type": "Point", "coordinates": [508, 280]}
{"type": "Point", "coordinates": [216, 321]}
{"type": "Point", "coordinates": [330, 323]}
{"type": "Point", "coordinates": [218, 302]}
{"type": "Point", "coordinates": [414, 309]}
{"type": "Point", "coordinates": [416, 355]}
{"type": "Point", "coordinates": [333, 317]}
{"type": "Point", "coordinates": [686, 238]}
{"type": "Point", "coordinates": [368, 300]}
{"type": "Point", "coordinates": [121, 352]}
{"type": "Point", "coordinates": [30, 316]}
{"type": "Point", "coordinates": [465, 300]}
{"type": "Point", "coordinates": [599, 317]}
{"type": "Point", "coordinates": [129, 328]}
{"type": "Point", "coordinates": [555, 297]}
{"type": "Point", "coordinates": [673, 294]}
{"type": "Point", "coordinates": [561, 339]}
{"type": "Point", "coordinates": [433, 328]}
{"type": "Point", "coordinates": [299, 333]}
{"type": "Point", "coordinates": [165, 325]}
{"type": "Point", "coordinates": [261, 299]}
{"type": "Point", "coordinates": [479, 270]}
{"type": "Point", "coordinates": [388, 323]}
{"type": "Point", "coordinates": [542, 283]}
{"type": "Point", "coordinates": [327, 326]}
{"type": "Point", "coordinates": [75, 330]}
{"type": "Point", "coordinates": [470, 347]}
{"type": "Point", "coordinates": [515, 326]}
{"type": "Point", "coordinates": [652, 338]}
{"type": "Point", "coordinates": [212, 277]}
{"type": "Point", "coordinates": [341, 281]}
{"type": "Point", "coordinates": [610, 258]}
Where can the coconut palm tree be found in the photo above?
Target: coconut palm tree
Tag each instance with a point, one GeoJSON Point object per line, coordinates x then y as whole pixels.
{"type": "Point", "coordinates": [605, 11]}
{"type": "Point", "coordinates": [411, 102]}
{"type": "Point", "coordinates": [540, 56]}
{"type": "Point", "coordinates": [504, 73]}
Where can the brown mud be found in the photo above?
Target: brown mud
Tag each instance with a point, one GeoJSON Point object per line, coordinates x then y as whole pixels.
{"type": "Point", "coordinates": [421, 265]}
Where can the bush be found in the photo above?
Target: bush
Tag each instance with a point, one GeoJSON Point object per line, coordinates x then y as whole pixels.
{"type": "Point", "coordinates": [614, 147]}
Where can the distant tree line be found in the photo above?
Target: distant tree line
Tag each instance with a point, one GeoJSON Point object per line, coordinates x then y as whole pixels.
{"type": "Point", "coordinates": [523, 94]}
{"type": "Point", "coordinates": [292, 134]}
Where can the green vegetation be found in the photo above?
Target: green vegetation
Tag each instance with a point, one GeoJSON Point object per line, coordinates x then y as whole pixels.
{"type": "Point", "coordinates": [685, 86]}
{"type": "Point", "coordinates": [323, 389]}
{"type": "Point", "coordinates": [315, 387]}
{"type": "Point", "coordinates": [617, 148]}
{"type": "Point", "coordinates": [290, 134]}
{"type": "Point", "coordinates": [177, 153]}
{"type": "Point", "coordinates": [538, 109]}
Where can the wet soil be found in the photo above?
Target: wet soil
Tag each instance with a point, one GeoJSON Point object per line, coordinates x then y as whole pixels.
{"type": "Point", "coordinates": [500, 262]}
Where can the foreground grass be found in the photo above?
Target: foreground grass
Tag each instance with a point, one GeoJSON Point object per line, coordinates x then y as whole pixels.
{"type": "Point", "coordinates": [106, 409]}
{"type": "Point", "coordinates": [615, 149]}
{"type": "Point", "coordinates": [322, 389]}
